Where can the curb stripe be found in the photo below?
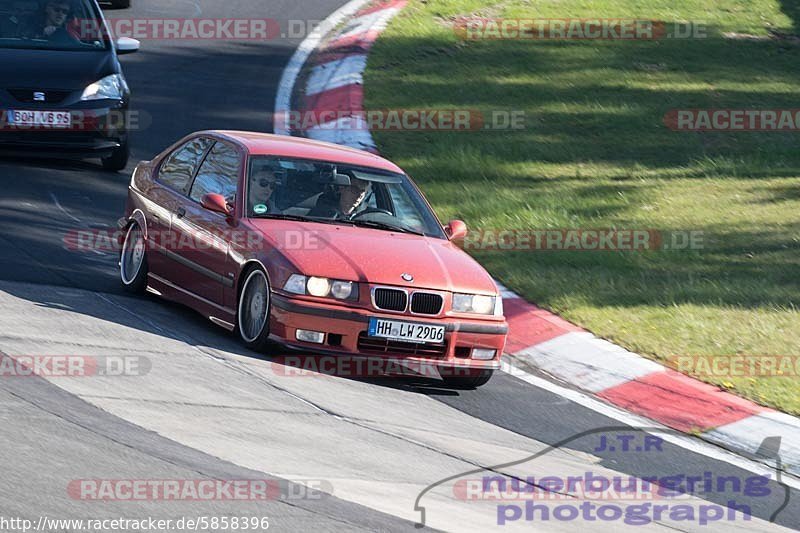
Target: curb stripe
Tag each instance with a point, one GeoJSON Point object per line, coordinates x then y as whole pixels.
{"type": "Point", "coordinates": [588, 362]}
{"type": "Point", "coordinates": [528, 325]}
{"type": "Point", "coordinates": [749, 433]}
{"type": "Point", "coordinates": [335, 74]}
{"type": "Point", "coordinates": [343, 99]}
{"type": "Point", "coordinates": [680, 402]}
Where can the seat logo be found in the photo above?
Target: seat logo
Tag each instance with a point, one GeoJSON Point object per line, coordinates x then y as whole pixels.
{"type": "Point", "coordinates": [38, 96]}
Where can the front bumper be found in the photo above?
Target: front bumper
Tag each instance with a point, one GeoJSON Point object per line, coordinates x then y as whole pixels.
{"type": "Point", "coordinates": [97, 129]}
{"type": "Point", "coordinates": [346, 334]}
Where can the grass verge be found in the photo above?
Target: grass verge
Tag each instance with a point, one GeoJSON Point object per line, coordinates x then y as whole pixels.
{"type": "Point", "coordinates": [595, 153]}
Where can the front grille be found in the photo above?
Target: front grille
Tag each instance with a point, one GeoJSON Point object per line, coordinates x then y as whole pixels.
{"type": "Point", "coordinates": [426, 303]}
{"type": "Point", "coordinates": [390, 347]}
{"type": "Point", "coordinates": [26, 96]}
{"type": "Point", "coordinates": [391, 299]}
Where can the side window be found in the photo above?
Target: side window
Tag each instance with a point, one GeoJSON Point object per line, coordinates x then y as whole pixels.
{"type": "Point", "coordinates": [218, 174]}
{"type": "Point", "coordinates": [178, 168]}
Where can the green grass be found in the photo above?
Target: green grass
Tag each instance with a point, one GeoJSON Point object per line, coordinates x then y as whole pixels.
{"type": "Point", "coordinates": [596, 154]}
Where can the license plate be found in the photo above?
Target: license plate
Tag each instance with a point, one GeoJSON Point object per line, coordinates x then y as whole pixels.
{"type": "Point", "coordinates": [405, 331]}
{"type": "Point", "coordinates": [47, 119]}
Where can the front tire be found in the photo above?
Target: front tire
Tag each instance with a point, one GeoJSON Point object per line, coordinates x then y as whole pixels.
{"type": "Point", "coordinates": [118, 159]}
{"type": "Point", "coordinates": [465, 379]}
{"type": "Point", "coordinates": [252, 317]}
{"type": "Point", "coordinates": [133, 260]}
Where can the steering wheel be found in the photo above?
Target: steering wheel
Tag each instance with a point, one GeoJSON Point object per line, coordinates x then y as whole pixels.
{"type": "Point", "coordinates": [370, 211]}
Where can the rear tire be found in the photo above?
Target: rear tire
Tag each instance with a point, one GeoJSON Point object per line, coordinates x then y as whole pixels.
{"type": "Point", "coordinates": [118, 159]}
{"type": "Point", "coordinates": [252, 317]}
{"type": "Point", "coordinates": [133, 260]}
{"type": "Point", "coordinates": [120, 4]}
{"type": "Point", "coordinates": [465, 379]}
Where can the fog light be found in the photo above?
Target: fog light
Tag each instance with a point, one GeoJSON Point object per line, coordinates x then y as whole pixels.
{"type": "Point", "coordinates": [483, 354]}
{"type": "Point", "coordinates": [310, 336]}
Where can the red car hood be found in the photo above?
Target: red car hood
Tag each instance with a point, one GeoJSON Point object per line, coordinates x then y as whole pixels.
{"type": "Point", "coordinates": [375, 256]}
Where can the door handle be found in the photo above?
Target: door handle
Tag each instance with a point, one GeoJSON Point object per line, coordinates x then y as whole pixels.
{"type": "Point", "coordinates": [181, 212]}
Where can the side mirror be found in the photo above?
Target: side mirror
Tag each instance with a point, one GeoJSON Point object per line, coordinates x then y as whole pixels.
{"type": "Point", "coordinates": [456, 229]}
{"type": "Point", "coordinates": [126, 45]}
{"type": "Point", "coordinates": [215, 203]}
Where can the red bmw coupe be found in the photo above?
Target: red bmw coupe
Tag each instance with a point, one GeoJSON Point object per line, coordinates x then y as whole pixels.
{"type": "Point", "coordinates": [312, 246]}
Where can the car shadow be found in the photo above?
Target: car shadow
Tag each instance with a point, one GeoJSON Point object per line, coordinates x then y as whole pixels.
{"type": "Point", "coordinates": [152, 315]}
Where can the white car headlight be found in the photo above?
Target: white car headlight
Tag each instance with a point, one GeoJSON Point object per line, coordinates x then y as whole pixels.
{"type": "Point", "coordinates": [110, 87]}
{"type": "Point", "coordinates": [321, 287]}
{"type": "Point", "coordinates": [474, 303]}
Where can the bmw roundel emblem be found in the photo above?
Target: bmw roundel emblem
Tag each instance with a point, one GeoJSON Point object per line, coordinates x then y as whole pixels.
{"type": "Point", "coordinates": [407, 277]}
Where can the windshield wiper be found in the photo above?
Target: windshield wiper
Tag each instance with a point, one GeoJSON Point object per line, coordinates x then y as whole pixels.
{"type": "Point", "coordinates": [383, 225]}
{"type": "Point", "coordinates": [298, 218]}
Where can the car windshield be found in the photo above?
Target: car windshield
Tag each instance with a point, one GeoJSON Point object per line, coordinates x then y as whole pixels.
{"type": "Point", "coordinates": [339, 194]}
{"type": "Point", "coordinates": [51, 25]}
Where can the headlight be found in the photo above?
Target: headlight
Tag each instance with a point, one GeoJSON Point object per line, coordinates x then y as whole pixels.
{"type": "Point", "coordinates": [295, 284]}
{"type": "Point", "coordinates": [318, 286]}
{"type": "Point", "coordinates": [112, 87]}
{"type": "Point", "coordinates": [474, 303]}
{"type": "Point", "coordinates": [342, 289]}
{"type": "Point", "coordinates": [321, 287]}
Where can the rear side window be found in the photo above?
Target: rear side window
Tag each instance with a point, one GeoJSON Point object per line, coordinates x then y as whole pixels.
{"type": "Point", "coordinates": [179, 167]}
{"type": "Point", "coordinates": [218, 174]}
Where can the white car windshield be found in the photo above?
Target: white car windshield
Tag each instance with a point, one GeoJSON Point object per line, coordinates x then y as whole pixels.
{"type": "Point", "coordinates": [52, 25]}
{"type": "Point", "coordinates": [335, 193]}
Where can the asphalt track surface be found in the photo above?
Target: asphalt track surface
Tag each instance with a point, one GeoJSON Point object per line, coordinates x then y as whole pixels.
{"type": "Point", "coordinates": [209, 409]}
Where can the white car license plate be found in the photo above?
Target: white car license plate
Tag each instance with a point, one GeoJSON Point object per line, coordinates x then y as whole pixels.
{"type": "Point", "coordinates": [405, 331]}
{"type": "Point", "coordinates": [47, 119]}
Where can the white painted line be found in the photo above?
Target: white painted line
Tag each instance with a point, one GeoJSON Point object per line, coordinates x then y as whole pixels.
{"type": "Point", "coordinates": [588, 362]}
{"type": "Point", "coordinates": [749, 433]}
{"type": "Point", "coordinates": [283, 100]}
{"type": "Point", "coordinates": [691, 444]}
{"type": "Point", "coordinates": [376, 21]}
{"type": "Point", "coordinates": [334, 74]}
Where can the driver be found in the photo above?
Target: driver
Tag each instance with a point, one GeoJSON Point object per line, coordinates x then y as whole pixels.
{"type": "Point", "coordinates": [262, 189]}
{"type": "Point", "coordinates": [51, 23]}
{"type": "Point", "coordinates": [341, 201]}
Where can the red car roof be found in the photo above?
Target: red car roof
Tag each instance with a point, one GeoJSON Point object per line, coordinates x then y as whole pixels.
{"type": "Point", "coordinates": [300, 148]}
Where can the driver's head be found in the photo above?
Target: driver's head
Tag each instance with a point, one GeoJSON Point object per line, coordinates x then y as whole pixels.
{"type": "Point", "coordinates": [263, 185]}
{"type": "Point", "coordinates": [351, 196]}
{"type": "Point", "coordinates": [56, 12]}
